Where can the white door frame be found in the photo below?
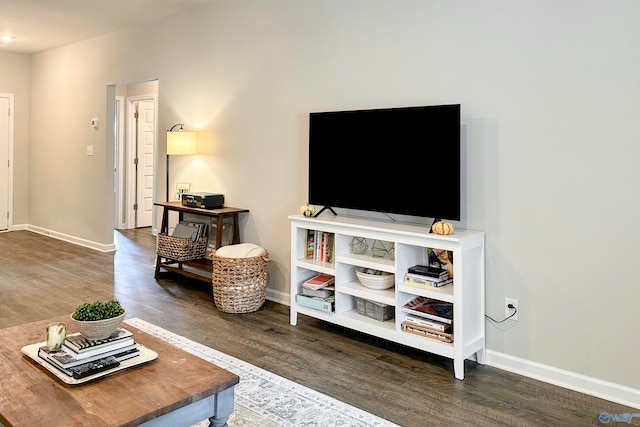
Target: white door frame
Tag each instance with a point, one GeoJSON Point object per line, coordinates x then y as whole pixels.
{"type": "Point", "coordinates": [9, 182]}
{"type": "Point", "coordinates": [120, 147]}
{"type": "Point", "coordinates": [130, 153]}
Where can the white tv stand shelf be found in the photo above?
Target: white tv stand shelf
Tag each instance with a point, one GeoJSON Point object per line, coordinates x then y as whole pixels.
{"type": "Point", "coordinates": [410, 247]}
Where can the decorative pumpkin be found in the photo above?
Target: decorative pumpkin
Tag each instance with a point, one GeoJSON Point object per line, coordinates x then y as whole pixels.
{"type": "Point", "coordinates": [307, 210]}
{"type": "Point", "coordinates": [442, 227]}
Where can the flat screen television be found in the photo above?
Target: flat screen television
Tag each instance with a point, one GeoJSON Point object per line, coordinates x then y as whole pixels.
{"type": "Point", "coordinates": [392, 160]}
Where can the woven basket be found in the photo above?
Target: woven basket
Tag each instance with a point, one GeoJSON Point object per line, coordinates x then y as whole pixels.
{"type": "Point", "coordinates": [180, 249]}
{"type": "Point", "coordinates": [240, 284]}
{"type": "Point", "coordinates": [98, 329]}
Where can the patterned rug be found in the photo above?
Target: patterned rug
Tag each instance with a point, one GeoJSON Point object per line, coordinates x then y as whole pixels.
{"type": "Point", "coordinates": [264, 399]}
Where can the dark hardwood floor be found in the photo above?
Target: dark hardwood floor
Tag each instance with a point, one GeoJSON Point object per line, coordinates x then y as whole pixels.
{"type": "Point", "coordinates": [41, 277]}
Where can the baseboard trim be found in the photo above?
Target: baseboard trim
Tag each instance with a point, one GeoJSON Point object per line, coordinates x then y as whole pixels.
{"type": "Point", "coordinates": [278, 296]}
{"type": "Point", "coordinates": [573, 381]}
{"type": "Point", "coordinates": [72, 239]}
{"type": "Point", "coordinates": [570, 380]}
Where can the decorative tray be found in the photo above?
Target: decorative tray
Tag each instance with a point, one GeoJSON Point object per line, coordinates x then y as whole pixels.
{"type": "Point", "coordinates": [146, 355]}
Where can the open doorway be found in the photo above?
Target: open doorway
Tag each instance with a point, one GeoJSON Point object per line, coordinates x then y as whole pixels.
{"type": "Point", "coordinates": [135, 154]}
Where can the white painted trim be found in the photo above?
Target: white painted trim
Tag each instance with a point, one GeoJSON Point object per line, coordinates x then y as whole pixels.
{"type": "Point", "coordinates": [278, 296]}
{"type": "Point", "coordinates": [120, 223]}
{"type": "Point", "coordinates": [571, 380]}
{"type": "Point", "coordinates": [130, 154]}
{"type": "Point", "coordinates": [11, 160]}
{"type": "Point", "coordinates": [72, 239]}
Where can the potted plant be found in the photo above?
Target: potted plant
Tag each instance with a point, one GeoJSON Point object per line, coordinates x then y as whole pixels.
{"type": "Point", "coordinates": [98, 320]}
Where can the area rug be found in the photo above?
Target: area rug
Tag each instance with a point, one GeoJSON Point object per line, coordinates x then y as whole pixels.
{"type": "Point", "coordinates": [263, 399]}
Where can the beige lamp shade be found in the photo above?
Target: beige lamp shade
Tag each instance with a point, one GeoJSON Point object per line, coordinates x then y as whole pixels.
{"type": "Point", "coordinates": [181, 142]}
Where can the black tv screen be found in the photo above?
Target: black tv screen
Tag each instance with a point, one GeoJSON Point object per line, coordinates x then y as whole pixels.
{"type": "Point", "coordinates": [392, 160]}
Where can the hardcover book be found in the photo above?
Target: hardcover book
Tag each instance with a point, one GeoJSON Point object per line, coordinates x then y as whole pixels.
{"type": "Point", "coordinates": [325, 292]}
{"type": "Point", "coordinates": [64, 360]}
{"type": "Point", "coordinates": [428, 270]}
{"type": "Point", "coordinates": [322, 304]}
{"type": "Point", "coordinates": [319, 281]}
{"type": "Point", "coordinates": [310, 244]}
{"type": "Point", "coordinates": [79, 343]}
{"type": "Point", "coordinates": [425, 332]}
{"type": "Point", "coordinates": [426, 279]}
{"type": "Point", "coordinates": [427, 285]}
{"type": "Point", "coordinates": [430, 308]}
{"type": "Point", "coordinates": [428, 323]}
{"type": "Point", "coordinates": [96, 351]}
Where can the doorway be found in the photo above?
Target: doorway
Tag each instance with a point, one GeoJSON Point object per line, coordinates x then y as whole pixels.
{"type": "Point", "coordinates": [6, 160]}
{"type": "Point", "coordinates": [135, 154]}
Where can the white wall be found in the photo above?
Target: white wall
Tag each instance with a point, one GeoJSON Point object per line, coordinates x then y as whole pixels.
{"type": "Point", "coordinates": [549, 93]}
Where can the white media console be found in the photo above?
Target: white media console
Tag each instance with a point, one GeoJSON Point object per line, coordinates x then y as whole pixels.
{"type": "Point", "coordinates": [410, 243]}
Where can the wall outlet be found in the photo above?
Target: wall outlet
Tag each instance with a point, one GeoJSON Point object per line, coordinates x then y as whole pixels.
{"type": "Point", "coordinates": [509, 311]}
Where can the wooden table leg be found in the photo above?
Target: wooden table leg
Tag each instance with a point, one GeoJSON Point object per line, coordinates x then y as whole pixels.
{"type": "Point", "coordinates": [164, 228]}
{"type": "Point", "coordinates": [219, 226]}
{"type": "Point", "coordinates": [236, 229]}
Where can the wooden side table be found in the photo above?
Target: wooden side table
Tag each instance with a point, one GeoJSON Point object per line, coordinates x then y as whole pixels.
{"type": "Point", "coordinates": [203, 264]}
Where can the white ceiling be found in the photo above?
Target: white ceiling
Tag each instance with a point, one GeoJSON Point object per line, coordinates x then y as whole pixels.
{"type": "Point", "coordinates": [39, 25]}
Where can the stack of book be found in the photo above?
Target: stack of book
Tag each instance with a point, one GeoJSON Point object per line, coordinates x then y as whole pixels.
{"type": "Point", "coordinates": [318, 292]}
{"type": "Point", "coordinates": [427, 277]}
{"type": "Point", "coordinates": [80, 357]}
{"type": "Point", "coordinates": [320, 246]}
{"type": "Point", "coordinates": [429, 318]}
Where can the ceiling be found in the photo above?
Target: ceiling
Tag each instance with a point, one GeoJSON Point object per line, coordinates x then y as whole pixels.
{"type": "Point", "coordinates": [38, 25]}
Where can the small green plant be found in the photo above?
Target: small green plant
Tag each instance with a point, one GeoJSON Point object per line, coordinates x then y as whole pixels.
{"type": "Point", "coordinates": [97, 310]}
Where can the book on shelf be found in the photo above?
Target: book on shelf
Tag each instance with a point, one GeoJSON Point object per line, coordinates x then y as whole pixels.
{"type": "Point", "coordinates": [427, 284]}
{"type": "Point", "coordinates": [430, 308]}
{"type": "Point", "coordinates": [319, 246]}
{"type": "Point", "coordinates": [63, 360]}
{"type": "Point", "coordinates": [325, 292]}
{"type": "Point", "coordinates": [428, 271]}
{"type": "Point", "coordinates": [428, 323]}
{"type": "Point", "coordinates": [79, 343]}
{"type": "Point", "coordinates": [319, 281]}
{"type": "Point", "coordinates": [322, 304]}
{"type": "Point", "coordinates": [426, 279]}
{"type": "Point", "coordinates": [426, 332]}
{"type": "Point", "coordinates": [310, 244]}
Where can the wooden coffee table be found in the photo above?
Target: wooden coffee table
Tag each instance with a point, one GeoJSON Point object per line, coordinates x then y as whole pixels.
{"type": "Point", "coordinates": [176, 389]}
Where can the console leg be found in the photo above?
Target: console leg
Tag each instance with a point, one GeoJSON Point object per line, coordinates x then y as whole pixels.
{"type": "Point", "coordinates": [458, 368]}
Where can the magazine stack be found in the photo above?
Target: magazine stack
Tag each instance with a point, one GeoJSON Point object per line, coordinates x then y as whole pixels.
{"type": "Point", "coordinates": [80, 357]}
{"type": "Point", "coordinates": [427, 277]}
{"type": "Point", "coordinates": [429, 317]}
{"type": "Point", "coordinates": [318, 292]}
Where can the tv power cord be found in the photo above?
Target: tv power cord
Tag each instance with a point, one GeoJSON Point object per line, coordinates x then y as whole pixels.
{"type": "Point", "coordinates": [512, 307]}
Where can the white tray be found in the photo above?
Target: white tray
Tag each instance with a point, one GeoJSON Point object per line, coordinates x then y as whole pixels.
{"type": "Point", "coordinates": [146, 355]}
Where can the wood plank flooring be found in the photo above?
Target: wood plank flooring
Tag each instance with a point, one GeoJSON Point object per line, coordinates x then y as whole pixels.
{"type": "Point", "coordinates": [41, 277]}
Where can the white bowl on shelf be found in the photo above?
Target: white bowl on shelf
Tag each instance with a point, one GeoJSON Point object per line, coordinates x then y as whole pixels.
{"type": "Point", "coordinates": [382, 280]}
